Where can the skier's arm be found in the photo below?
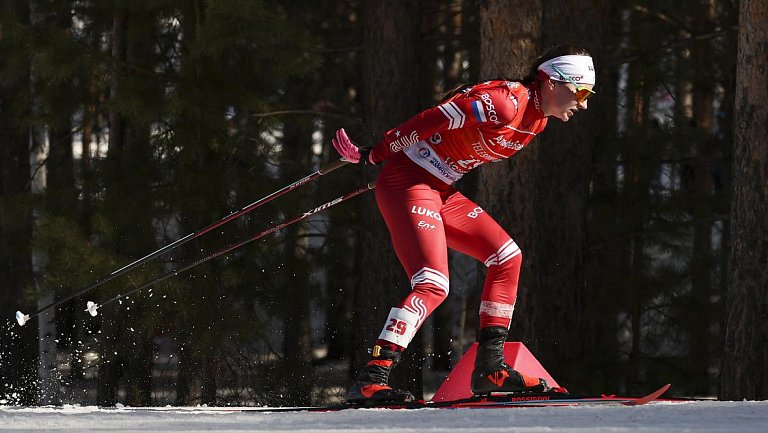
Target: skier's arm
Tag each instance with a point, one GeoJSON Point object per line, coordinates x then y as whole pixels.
{"type": "Point", "coordinates": [464, 111]}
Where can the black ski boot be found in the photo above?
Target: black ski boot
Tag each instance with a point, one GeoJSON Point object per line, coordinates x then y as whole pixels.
{"type": "Point", "coordinates": [372, 385]}
{"type": "Point", "coordinates": [492, 374]}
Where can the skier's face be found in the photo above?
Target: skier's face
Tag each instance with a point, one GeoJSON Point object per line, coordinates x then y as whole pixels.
{"type": "Point", "coordinates": [563, 99]}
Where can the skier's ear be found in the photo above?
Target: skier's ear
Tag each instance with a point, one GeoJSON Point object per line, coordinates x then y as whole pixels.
{"type": "Point", "coordinates": [544, 80]}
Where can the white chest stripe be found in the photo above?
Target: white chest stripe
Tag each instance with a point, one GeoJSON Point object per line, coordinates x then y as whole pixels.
{"type": "Point", "coordinates": [455, 116]}
{"type": "Point", "coordinates": [520, 130]}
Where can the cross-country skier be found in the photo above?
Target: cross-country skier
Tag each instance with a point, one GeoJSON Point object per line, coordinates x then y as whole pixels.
{"type": "Point", "coordinates": [487, 122]}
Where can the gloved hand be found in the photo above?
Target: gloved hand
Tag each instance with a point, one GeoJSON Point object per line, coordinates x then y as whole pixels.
{"type": "Point", "coordinates": [348, 150]}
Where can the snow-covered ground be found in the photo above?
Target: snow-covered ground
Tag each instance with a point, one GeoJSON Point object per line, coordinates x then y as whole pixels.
{"type": "Point", "coordinates": [659, 417]}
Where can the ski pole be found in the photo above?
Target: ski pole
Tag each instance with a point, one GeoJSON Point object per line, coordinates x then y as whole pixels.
{"type": "Point", "coordinates": [22, 318]}
{"type": "Point", "coordinates": [92, 307]}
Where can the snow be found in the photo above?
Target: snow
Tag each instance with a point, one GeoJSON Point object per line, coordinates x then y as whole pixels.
{"type": "Point", "coordinates": [657, 417]}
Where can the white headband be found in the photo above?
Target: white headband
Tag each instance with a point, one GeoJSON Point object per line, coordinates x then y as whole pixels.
{"type": "Point", "coordinates": [578, 68]}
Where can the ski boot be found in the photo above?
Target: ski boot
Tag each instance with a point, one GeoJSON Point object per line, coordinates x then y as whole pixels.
{"type": "Point", "coordinates": [492, 374]}
{"type": "Point", "coordinates": [371, 387]}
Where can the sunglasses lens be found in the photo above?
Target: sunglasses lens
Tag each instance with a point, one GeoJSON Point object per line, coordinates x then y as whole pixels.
{"type": "Point", "coordinates": [582, 95]}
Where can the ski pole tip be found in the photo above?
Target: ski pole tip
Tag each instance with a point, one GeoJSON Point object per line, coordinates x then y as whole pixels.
{"type": "Point", "coordinates": [22, 318]}
{"type": "Point", "coordinates": [92, 308]}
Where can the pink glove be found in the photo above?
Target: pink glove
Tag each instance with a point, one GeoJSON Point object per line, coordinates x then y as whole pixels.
{"type": "Point", "coordinates": [348, 150]}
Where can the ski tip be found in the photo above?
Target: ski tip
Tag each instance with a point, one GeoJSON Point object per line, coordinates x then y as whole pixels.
{"type": "Point", "coordinates": [22, 318]}
{"type": "Point", "coordinates": [92, 308]}
{"type": "Point", "coordinates": [648, 398]}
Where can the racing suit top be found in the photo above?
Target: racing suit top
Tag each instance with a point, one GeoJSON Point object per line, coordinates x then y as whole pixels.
{"type": "Point", "coordinates": [487, 122]}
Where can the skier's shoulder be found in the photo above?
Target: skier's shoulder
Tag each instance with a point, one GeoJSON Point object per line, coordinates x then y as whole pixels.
{"type": "Point", "coordinates": [499, 99]}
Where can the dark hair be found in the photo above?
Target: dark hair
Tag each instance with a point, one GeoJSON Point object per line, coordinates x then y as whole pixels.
{"type": "Point", "coordinates": [551, 53]}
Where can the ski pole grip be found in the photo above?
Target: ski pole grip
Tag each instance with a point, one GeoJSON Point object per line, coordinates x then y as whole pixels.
{"type": "Point", "coordinates": [327, 168]}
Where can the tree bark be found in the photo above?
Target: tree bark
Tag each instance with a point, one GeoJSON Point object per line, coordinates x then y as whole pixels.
{"type": "Point", "coordinates": [744, 369]}
{"type": "Point", "coordinates": [702, 261]}
{"type": "Point", "coordinates": [391, 38]}
{"type": "Point", "coordinates": [509, 38]}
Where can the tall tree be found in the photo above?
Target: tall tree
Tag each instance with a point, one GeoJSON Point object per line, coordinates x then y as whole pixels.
{"type": "Point", "coordinates": [700, 183]}
{"type": "Point", "coordinates": [509, 43]}
{"type": "Point", "coordinates": [745, 352]}
{"type": "Point", "coordinates": [390, 69]}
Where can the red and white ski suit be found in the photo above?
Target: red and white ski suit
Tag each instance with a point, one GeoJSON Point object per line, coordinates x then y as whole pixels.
{"type": "Point", "coordinates": [425, 215]}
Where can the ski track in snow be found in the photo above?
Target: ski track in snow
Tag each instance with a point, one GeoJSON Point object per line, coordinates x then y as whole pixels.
{"type": "Point", "coordinates": [659, 417]}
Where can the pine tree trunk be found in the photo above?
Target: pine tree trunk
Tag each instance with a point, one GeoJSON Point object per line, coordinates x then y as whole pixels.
{"type": "Point", "coordinates": [509, 39]}
{"type": "Point", "coordinates": [744, 372]}
{"type": "Point", "coordinates": [702, 262]}
{"type": "Point", "coordinates": [637, 179]}
{"type": "Point", "coordinates": [390, 66]}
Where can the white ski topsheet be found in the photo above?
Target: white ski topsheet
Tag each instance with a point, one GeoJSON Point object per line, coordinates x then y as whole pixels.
{"type": "Point", "coordinates": [657, 417]}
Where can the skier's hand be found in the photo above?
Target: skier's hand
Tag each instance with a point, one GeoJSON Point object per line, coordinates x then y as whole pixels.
{"type": "Point", "coordinates": [348, 150]}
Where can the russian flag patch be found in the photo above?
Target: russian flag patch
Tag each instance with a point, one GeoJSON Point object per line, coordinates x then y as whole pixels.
{"type": "Point", "coordinates": [479, 111]}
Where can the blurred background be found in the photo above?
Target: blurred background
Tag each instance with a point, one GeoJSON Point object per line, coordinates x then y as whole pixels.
{"type": "Point", "coordinates": [127, 124]}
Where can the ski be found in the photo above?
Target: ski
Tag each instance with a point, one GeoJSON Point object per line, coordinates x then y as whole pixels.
{"type": "Point", "coordinates": [534, 399]}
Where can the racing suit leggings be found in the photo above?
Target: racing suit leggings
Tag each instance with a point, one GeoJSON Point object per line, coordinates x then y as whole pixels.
{"type": "Point", "coordinates": [425, 217]}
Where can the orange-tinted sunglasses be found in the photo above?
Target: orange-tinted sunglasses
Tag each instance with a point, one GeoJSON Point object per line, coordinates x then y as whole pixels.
{"type": "Point", "coordinates": [582, 93]}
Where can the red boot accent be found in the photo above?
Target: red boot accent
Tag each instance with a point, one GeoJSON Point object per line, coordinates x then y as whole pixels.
{"type": "Point", "coordinates": [369, 390]}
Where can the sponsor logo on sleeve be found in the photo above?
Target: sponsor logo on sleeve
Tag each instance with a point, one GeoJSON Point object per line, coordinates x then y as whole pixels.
{"type": "Point", "coordinates": [403, 141]}
{"type": "Point", "coordinates": [436, 138]}
{"type": "Point", "coordinates": [490, 109]}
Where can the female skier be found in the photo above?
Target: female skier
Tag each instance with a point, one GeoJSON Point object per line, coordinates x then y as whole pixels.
{"type": "Point", "coordinates": [425, 215]}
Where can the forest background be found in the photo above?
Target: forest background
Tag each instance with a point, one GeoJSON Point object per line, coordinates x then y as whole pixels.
{"type": "Point", "coordinates": [125, 125]}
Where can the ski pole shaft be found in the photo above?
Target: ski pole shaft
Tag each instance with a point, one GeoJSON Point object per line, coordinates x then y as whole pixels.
{"type": "Point", "coordinates": [21, 318]}
{"type": "Point", "coordinates": [93, 307]}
